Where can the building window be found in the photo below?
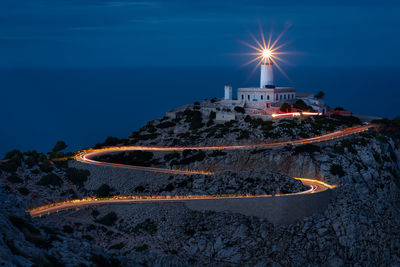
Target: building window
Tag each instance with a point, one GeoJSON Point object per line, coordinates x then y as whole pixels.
{"type": "Point", "coordinates": [276, 97]}
{"type": "Point", "coordinates": [284, 96]}
{"type": "Point", "coordinates": [248, 97]}
{"type": "Point", "coordinates": [262, 97]}
{"type": "Point", "coordinates": [267, 97]}
{"type": "Point", "coordinates": [242, 96]}
{"type": "Point", "coordinates": [280, 97]}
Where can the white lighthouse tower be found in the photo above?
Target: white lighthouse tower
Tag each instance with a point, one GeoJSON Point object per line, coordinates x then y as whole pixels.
{"type": "Point", "coordinates": [228, 92]}
{"type": "Point", "coordinates": [267, 75]}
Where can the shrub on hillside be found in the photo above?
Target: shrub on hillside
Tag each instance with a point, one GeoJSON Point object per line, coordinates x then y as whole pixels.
{"type": "Point", "coordinates": [101, 261]}
{"type": "Point", "coordinates": [217, 153]}
{"type": "Point", "coordinates": [31, 234]}
{"type": "Point", "coordinates": [60, 145]}
{"type": "Point", "coordinates": [14, 155]}
{"type": "Point", "coordinates": [194, 118]}
{"type": "Point", "coordinates": [166, 124]}
{"type": "Point", "coordinates": [111, 141]}
{"type": "Point", "coordinates": [308, 148]}
{"type": "Point", "coordinates": [213, 115]}
{"type": "Point", "coordinates": [337, 170]}
{"type": "Point", "coordinates": [193, 158]}
{"type": "Point", "coordinates": [320, 95]}
{"type": "Point", "coordinates": [139, 158]}
{"type": "Point", "coordinates": [103, 191]}
{"type": "Point", "coordinates": [285, 107]}
{"type": "Point", "coordinates": [68, 229]}
{"type": "Point", "coordinates": [243, 135]}
{"type": "Point", "coordinates": [117, 246]}
{"type": "Point", "coordinates": [141, 248]}
{"type": "Point", "coordinates": [139, 189]}
{"type": "Point", "coordinates": [239, 110]}
{"type": "Point", "coordinates": [14, 179]}
{"type": "Point", "coordinates": [196, 121]}
{"type": "Point", "coordinates": [346, 120]}
{"type": "Point", "coordinates": [23, 191]}
{"type": "Point", "coordinates": [173, 155]}
{"type": "Point", "coordinates": [256, 122]}
{"type": "Point", "coordinates": [77, 176]}
{"type": "Point", "coordinates": [46, 166]}
{"type": "Point", "coordinates": [147, 226]}
{"type": "Point", "coordinates": [13, 161]}
{"type": "Point", "coordinates": [300, 105]}
{"type": "Point", "coordinates": [50, 179]}
{"type": "Point", "coordinates": [32, 158]}
{"type": "Point", "coordinates": [108, 219]}
{"type": "Point", "coordinates": [144, 137]}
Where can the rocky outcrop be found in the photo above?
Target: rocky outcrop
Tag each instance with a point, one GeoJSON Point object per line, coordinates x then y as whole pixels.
{"type": "Point", "coordinates": [359, 226]}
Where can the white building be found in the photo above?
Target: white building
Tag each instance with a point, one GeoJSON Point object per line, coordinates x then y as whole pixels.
{"type": "Point", "coordinates": [228, 92]}
{"type": "Point", "coordinates": [267, 94]}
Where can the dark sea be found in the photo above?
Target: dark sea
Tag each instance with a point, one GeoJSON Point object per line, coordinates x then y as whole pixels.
{"type": "Point", "coordinates": [84, 106]}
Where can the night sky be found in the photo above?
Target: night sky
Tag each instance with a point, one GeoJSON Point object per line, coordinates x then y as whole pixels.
{"type": "Point", "coordinates": [96, 33]}
{"type": "Point", "coordinates": [82, 70]}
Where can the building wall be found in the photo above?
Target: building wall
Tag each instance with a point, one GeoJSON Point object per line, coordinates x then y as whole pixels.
{"type": "Point", "coordinates": [282, 96]}
{"type": "Point", "coordinates": [255, 94]}
{"type": "Point", "coordinates": [252, 94]}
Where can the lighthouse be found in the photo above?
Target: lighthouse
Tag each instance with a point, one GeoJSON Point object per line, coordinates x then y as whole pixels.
{"type": "Point", "coordinates": [267, 72]}
{"type": "Point", "coordinates": [267, 75]}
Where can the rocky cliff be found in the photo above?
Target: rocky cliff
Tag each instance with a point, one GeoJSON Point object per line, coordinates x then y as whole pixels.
{"type": "Point", "coordinates": [359, 227]}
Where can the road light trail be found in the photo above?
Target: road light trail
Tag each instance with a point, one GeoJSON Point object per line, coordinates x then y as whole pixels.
{"type": "Point", "coordinates": [315, 186]}
{"type": "Point", "coordinates": [86, 155]}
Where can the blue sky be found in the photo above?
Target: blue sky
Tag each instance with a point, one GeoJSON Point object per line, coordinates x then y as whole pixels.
{"type": "Point", "coordinates": [102, 33]}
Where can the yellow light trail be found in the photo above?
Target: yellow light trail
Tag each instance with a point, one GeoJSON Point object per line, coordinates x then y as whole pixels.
{"type": "Point", "coordinates": [85, 155]}
{"type": "Point", "coordinates": [315, 186]}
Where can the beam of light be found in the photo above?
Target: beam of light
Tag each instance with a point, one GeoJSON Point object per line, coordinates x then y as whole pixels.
{"type": "Point", "coordinates": [267, 51]}
{"type": "Point", "coordinates": [294, 114]}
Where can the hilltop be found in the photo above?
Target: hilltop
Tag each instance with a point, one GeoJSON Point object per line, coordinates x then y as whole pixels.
{"type": "Point", "coordinates": [360, 225]}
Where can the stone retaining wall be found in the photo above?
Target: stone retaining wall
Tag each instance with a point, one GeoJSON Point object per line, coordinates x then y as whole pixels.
{"type": "Point", "coordinates": [123, 180]}
{"type": "Point", "coordinates": [278, 209]}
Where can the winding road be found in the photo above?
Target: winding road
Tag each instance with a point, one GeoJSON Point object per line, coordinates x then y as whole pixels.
{"type": "Point", "coordinates": [86, 156]}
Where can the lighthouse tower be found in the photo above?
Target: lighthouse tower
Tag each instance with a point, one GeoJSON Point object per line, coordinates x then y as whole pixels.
{"type": "Point", "coordinates": [267, 75]}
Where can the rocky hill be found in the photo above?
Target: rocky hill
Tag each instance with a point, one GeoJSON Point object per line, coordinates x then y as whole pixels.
{"type": "Point", "coordinates": [359, 227]}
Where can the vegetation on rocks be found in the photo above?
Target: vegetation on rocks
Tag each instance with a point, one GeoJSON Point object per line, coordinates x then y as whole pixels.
{"type": "Point", "coordinates": [103, 191]}
{"type": "Point", "coordinates": [77, 176]}
{"type": "Point", "coordinates": [359, 226]}
{"type": "Point", "coordinates": [138, 158]}
{"type": "Point", "coordinates": [50, 179]}
{"type": "Point", "coordinates": [108, 219]}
